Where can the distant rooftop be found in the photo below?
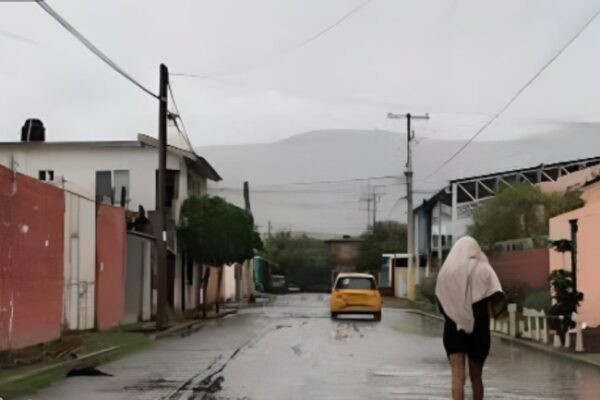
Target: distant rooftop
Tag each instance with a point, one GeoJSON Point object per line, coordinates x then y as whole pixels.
{"type": "Point", "coordinates": [142, 141]}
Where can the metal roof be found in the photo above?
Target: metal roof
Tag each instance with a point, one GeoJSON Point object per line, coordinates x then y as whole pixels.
{"type": "Point", "coordinates": [473, 189]}
{"type": "Point", "coordinates": [579, 163]}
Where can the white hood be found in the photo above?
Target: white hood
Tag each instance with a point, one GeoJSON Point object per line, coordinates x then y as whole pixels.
{"type": "Point", "coordinates": [465, 278]}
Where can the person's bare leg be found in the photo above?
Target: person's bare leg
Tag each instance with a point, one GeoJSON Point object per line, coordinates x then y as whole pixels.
{"type": "Point", "coordinates": [457, 365]}
{"type": "Point", "coordinates": [475, 372]}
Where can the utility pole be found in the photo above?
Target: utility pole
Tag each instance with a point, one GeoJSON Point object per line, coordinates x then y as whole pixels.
{"type": "Point", "coordinates": [410, 231]}
{"type": "Point", "coordinates": [162, 306]}
{"type": "Point", "coordinates": [247, 196]}
{"type": "Point", "coordinates": [369, 200]}
{"type": "Point", "coordinates": [374, 209]}
{"type": "Point", "coordinates": [371, 195]}
{"type": "Point", "coordinates": [239, 268]}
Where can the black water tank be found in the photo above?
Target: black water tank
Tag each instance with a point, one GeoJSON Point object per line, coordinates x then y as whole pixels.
{"type": "Point", "coordinates": [33, 131]}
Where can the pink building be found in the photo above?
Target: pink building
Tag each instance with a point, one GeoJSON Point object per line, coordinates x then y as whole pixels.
{"type": "Point", "coordinates": [588, 217]}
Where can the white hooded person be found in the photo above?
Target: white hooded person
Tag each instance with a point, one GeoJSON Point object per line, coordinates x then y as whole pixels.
{"type": "Point", "coordinates": [467, 291]}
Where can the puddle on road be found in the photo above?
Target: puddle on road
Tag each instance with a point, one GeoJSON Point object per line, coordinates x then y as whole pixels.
{"type": "Point", "coordinates": [354, 327]}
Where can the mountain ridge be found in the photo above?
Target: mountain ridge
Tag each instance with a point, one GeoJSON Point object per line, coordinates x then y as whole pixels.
{"type": "Point", "coordinates": [275, 170]}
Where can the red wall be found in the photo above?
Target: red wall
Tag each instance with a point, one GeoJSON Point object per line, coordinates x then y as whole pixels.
{"type": "Point", "coordinates": [524, 266]}
{"type": "Point", "coordinates": [31, 260]}
{"type": "Point", "coordinates": [110, 266]}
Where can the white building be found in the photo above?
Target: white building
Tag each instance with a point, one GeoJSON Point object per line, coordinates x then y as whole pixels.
{"type": "Point", "coordinates": [104, 167]}
{"type": "Point", "coordinates": [109, 169]}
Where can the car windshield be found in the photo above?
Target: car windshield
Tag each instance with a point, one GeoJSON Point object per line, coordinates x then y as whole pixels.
{"type": "Point", "coordinates": [355, 283]}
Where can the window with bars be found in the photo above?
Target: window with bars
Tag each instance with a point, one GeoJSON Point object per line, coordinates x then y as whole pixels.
{"type": "Point", "coordinates": [46, 175]}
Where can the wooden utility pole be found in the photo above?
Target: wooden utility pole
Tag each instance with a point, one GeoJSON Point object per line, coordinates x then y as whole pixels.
{"type": "Point", "coordinates": [162, 302]}
{"type": "Point", "coordinates": [410, 230]}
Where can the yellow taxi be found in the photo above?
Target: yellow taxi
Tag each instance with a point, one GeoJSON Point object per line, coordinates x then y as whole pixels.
{"type": "Point", "coordinates": [355, 293]}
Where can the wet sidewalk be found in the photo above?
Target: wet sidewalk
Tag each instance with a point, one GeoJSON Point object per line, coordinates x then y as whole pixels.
{"type": "Point", "coordinates": [429, 310]}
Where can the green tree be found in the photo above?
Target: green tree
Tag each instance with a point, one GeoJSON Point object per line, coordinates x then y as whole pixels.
{"type": "Point", "coordinates": [519, 211]}
{"type": "Point", "coordinates": [384, 237]}
{"type": "Point", "coordinates": [303, 260]}
{"type": "Point", "coordinates": [214, 232]}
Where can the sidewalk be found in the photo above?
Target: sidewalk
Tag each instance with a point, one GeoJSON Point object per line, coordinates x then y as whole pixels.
{"type": "Point", "coordinates": [92, 349]}
{"type": "Point", "coordinates": [429, 310]}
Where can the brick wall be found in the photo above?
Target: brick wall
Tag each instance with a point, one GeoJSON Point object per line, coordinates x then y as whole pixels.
{"type": "Point", "coordinates": [110, 266]}
{"type": "Point", "coordinates": [31, 260]}
{"type": "Point", "coordinates": [529, 266]}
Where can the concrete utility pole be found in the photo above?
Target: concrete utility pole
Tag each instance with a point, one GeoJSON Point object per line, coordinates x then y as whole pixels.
{"type": "Point", "coordinates": [374, 209]}
{"type": "Point", "coordinates": [410, 231]}
{"type": "Point", "coordinates": [239, 268]}
{"type": "Point", "coordinates": [162, 302]}
{"type": "Point", "coordinates": [247, 196]}
{"type": "Point", "coordinates": [369, 223]}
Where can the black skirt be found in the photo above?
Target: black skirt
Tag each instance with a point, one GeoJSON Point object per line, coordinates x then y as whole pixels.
{"type": "Point", "coordinates": [476, 345]}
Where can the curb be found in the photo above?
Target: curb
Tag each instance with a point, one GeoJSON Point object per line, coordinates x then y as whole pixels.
{"type": "Point", "coordinates": [532, 345]}
{"type": "Point", "coordinates": [424, 313]}
{"type": "Point", "coordinates": [62, 364]}
{"type": "Point", "coordinates": [190, 326]}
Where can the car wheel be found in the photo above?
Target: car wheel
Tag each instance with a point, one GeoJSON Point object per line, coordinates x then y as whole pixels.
{"type": "Point", "coordinates": [334, 315]}
{"type": "Point", "coordinates": [377, 316]}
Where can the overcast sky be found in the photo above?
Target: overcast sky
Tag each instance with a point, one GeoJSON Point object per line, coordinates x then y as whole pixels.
{"type": "Point", "coordinates": [458, 60]}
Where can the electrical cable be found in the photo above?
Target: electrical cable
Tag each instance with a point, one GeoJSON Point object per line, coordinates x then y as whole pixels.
{"type": "Point", "coordinates": [91, 47]}
{"type": "Point", "coordinates": [329, 181]}
{"type": "Point", "coordinates": [516, 95]}
{"type": "Point", "coordinates": [289, 50]}
{"type": "Point", "coordinates": [182, 131]}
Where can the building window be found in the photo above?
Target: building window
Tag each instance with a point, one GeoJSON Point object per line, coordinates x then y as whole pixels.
{"type": "Point", "coordinates": [46, 175]}
{"type": "Point", "coordinates": [103, 187]}
{"type": "Point", "coordinates": [121, 178]}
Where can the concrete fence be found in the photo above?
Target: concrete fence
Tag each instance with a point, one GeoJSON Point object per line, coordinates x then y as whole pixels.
{"type": "Point", "coordinates": [533, 325]}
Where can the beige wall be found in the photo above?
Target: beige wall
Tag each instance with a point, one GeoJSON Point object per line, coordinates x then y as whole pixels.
{"type": "Point", "coordinates": [227, 292]}
{"type": "Point", "coordinates": [588, 242]}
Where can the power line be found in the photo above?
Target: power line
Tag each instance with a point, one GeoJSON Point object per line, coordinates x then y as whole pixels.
{"type": "Point", "coordinates": [416, 191]}
{"type": "Point", "coordinates": [330, 181]}
{"type": "Point", "coordinates": [330, 27]}
{"type": "Point", "coordinates": [182, 131]}
{"type": "Point", "coordinates": [284, 190]}
{"type": "Point", "coordinates": [17, 37]}
{"type": "Point", "coordinates": [291, 49]}
{"type": "Point", "coordinates": [516, 95]}
{"type": "Point", "coordinates": [90, 46]}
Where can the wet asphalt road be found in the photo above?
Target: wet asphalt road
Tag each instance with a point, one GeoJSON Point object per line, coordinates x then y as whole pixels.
{"type": "Point", "coordinates": [291, 349]}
